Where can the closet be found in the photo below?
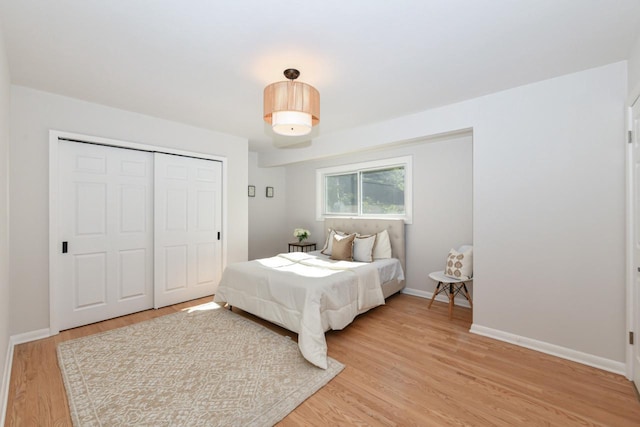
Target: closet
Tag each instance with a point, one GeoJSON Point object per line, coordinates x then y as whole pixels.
{"type": "Point", "coordinates": [137, 230]}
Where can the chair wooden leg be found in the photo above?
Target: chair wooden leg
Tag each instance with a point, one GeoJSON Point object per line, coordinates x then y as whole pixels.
{"type": "Point", "coordinates": [451, 296]}
{"type": "Point", "coordinates": [466, 294]}
{"type": "Point", "coordinates": [434, 294]}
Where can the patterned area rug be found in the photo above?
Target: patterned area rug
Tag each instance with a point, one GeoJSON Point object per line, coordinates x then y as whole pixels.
{"type": "Point", "coordinates": [202, 367]}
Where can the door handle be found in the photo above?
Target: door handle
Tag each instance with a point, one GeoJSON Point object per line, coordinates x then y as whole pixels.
{"type": "Point", "coordinates": [64, 247]}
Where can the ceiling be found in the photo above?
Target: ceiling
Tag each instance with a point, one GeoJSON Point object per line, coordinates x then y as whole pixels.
{"type": "Point", "coordinates": [206, 62]}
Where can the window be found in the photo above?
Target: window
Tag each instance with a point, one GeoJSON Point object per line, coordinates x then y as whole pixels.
{"type": "Point", "coordinates": [380, 189]}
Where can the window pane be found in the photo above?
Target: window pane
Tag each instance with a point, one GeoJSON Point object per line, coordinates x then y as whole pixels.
{"type": "Point", "coordinates": [383, 191]}
{"type": "Point", "coordinates": [342, 194]}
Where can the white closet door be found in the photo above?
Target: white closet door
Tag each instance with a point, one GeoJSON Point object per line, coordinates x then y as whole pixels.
{"type": "Point", "coordinates": [105, 213]}
{"type": "Point", "coordinates": [188, 210]}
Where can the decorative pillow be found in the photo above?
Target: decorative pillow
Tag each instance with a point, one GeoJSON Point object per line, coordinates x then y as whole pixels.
{"type": "Point", "coordinates": [382, 248]}
{"type": "Point", "coordinates": [459, 264]}
{"type": "Point", "coordinates": [342, 248]}
{"type": "Point", "coordinates": [329, 243]}
{"type": "Point", "coordinates": [363, 247]}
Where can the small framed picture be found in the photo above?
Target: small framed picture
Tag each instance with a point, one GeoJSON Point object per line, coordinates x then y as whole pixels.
{"type": "Point", "coordinates": [252, 191]}
{"type": "Point", "coordinates": [269, 191]}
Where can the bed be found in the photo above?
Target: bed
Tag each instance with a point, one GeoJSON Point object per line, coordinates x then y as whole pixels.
{"type": "Point", "coordinates": [308, 293]}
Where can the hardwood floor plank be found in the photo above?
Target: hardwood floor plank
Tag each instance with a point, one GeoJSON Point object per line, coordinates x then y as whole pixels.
{"type": "Point", "coordinates": [405, 366]}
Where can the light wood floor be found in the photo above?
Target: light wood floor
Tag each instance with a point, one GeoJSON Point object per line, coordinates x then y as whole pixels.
{"type": "Point", "coordinates": [405, 365]}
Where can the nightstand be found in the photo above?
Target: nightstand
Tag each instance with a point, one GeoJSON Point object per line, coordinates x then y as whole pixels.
{"type": "Point", "coordinates": [302, 247]}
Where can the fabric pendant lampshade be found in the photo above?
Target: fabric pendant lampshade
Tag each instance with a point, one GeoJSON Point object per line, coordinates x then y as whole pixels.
{"type": "Point", "coordinates": [291, 108]}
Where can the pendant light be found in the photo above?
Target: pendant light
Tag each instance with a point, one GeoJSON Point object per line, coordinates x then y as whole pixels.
{"type": "Point", "coordinates": [291, 108]}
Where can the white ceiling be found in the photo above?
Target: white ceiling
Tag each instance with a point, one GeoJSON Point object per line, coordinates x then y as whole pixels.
{"type": "Point", "coordinates": [206, 62]}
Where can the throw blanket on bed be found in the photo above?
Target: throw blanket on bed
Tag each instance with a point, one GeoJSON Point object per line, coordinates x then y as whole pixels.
{"type": "Point", "coordinates": [305, 293]}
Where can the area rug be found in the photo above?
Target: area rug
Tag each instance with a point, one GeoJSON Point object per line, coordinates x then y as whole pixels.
{"type": "Point", "coordinates": [202, 367]}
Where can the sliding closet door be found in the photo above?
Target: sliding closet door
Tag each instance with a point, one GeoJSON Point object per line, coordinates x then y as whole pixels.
{"type": "Point", "coordinates": [106, 232]}
{"type": "Point", "coordinates": [188, 211]}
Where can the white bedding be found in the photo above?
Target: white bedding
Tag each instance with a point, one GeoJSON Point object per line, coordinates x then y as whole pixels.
{"type": "Point", "coordinates": [307, 293]}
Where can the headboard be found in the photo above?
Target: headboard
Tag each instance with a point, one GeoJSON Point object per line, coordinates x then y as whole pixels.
{"type": "Point", "coordinates": [395, 228]}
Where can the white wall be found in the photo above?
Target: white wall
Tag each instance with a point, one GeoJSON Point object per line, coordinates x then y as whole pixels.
{"type": "Point", "coordinates": [33, 114]}
{"type": "Point", "coordinates": [442, 201]}
{"type": "Point", "coordinates": [268, 231]}
{"type": "Point", "coordinates": [634, 69]}
{"type": "Point", "coordinates": [5, 302]}
{"type": "Point", "coordinates": [549, 200]}
{"type": "Point", "coordinates": [548, 189]}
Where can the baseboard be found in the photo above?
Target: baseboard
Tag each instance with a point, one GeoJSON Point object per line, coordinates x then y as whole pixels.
{"type": "Point", "coordinates": [552, 349]}
{"type": "Point", "coordinates": [541, 346]}
{"type": "Point", "coordinates": [30, 336]}
{"type": "Point", "coordinates": [8, 364]}
{"type": "Point", "coordinates": [461, 301]}
{"type": "Point", "coordinates": [4, 391]}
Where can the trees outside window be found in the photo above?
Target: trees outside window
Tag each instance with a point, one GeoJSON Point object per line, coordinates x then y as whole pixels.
{"type": "Point", "coordinates": [377, 188]}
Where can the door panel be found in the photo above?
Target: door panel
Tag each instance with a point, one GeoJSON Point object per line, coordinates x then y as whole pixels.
{"type": "Point", "coordinates": [176, 209]}
{"type": "Point", "coordinates": [105, 213]}
{"type": "Point", "coordinates": [132, 275]}
{"type": "Point", "coordinates": [175, 261]}
{"type": "Point", "coordinates": [206, 269]}
{"type": "Point", "coordinates": [132, 209]}
{"type": "Point", "coordinates": [90, 280]}
{"type": "Point", "coordinates": [188, 210]}
{"type": "Point", "coordinates": [205, 205]}
{"type": "Point", "coordinates": [91, 206]}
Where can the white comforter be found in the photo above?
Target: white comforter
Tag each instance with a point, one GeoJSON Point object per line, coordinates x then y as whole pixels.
{"type": "Point", "coordinates": [305, 293]}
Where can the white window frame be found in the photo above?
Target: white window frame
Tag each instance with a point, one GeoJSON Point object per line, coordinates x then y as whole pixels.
{"type": "Point", "coordinates": [405, 161]}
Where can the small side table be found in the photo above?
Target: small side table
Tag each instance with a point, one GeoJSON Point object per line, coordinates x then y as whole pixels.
{"type": "Point", "coordinates": [302, 247]}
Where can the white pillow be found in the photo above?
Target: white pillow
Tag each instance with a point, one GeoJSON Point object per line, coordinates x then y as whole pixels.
{"type": "Point", "coordinates": [382, 249]}
{"type": "Point", "coordinates": [459, 264]}
{"type": "Point", "coordinates": [363, 247]}
{"type": "Point", "coordinates": [329, 243]}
